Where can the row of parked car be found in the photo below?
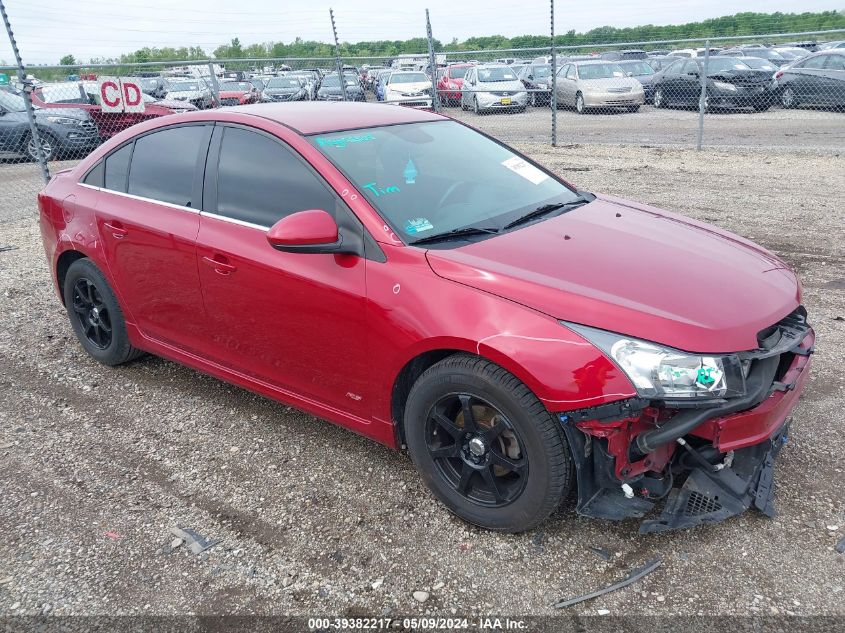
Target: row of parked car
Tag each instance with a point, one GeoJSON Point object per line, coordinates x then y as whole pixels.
{"type": "Point", "coordinates": [742, 77]}
{"type": "Point", "coordinates": [71, 119]}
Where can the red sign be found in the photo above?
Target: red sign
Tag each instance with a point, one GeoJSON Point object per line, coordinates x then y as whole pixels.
{"type": "Point", "coordinates": [120, 95]}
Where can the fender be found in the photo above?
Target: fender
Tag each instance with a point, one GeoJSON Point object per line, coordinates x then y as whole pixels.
{"type": "Point", "coordinates": [563, 370]}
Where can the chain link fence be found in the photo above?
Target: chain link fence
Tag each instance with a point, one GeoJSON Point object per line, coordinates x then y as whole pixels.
{"type": "Point", "coordinates": [784, 91]}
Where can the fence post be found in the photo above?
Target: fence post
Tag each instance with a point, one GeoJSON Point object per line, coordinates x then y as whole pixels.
{"type": "Point", "coordinates": [27, 88]}
{"type": "Point", "coordinates": [553, 80]}
{"type": "Point", "coordinates": [337, 63]}
{"type": "Point", "coordinates": [215, 85]}
{"type": "Point", "coordinates": [702, 100]}
{"type": "Point", "coordinates": [435, 100]}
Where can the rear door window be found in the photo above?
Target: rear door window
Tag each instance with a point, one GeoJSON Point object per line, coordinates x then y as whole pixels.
{"type": "Point", "coordinates": [164, 164]}
{"type": "Point", "coordinates": [260, 181]}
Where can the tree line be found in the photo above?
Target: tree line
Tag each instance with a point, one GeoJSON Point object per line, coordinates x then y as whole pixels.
{"type": "Point", "coordinates": [740, 24]}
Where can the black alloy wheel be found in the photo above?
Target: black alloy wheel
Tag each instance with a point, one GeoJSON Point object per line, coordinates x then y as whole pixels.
{"type": "Point", "coordinates": [476, 450]}
{"type": "Point", "coordinates": [92, 313]}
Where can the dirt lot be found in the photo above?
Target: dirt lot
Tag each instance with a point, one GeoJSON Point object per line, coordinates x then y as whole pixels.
{"type": "Point", "coordinates": [820, 130]}
{"type": "Point", "coordinates": [97, 464]}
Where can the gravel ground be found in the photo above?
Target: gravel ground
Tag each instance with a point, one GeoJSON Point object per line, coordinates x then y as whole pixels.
{"type": "Point", "coordinates": [97, 464]}
{"type": "Point", "coordinates": [820, 130]}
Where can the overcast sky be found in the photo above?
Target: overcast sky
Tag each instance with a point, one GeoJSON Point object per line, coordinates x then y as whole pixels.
{"type": "Point", "coordinates": [48, 29]}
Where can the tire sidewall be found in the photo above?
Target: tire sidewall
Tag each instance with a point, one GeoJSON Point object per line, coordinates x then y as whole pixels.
{"type": "Point", "coordinates": [119, 348]}
{"type": "Point", "coordinates": [424, 395]}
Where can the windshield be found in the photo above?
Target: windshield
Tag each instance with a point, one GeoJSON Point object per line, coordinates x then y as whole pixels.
{"type": "Point", "coordinates": [407, 78]}
{"type": "Point", "coordinates": [433, 177]}
{"type": "Point", "coordinates": [496, 73]}
{"type": "Point", "coordinates": [721, 64]}
{"type": "Point", "coordinates": [236, 86]}
{"type": "Point", "coordinates": [458, 72]}
{"type": "Point", "coordinates": [184, 86]}
{"type": "Point", "coordinates": [637, 68]}
{"type": "Point", "coordinates": [63, 93]}
{"type": "Point", "coordinates": [284, 82]}
{"type": "Point", "coordinates": [149, 84]}
{"type": "Point", "coordinates": [11, 102]}
{"type": "Point", "coordinates": [541, 71]}
{"type": "Point", "coordinates": [600, 71]}
{"type": "Point", "coordinates": [332, 82]}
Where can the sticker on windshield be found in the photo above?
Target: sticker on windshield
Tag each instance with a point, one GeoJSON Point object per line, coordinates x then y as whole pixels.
{"type": "Point", "coordinates": [418, 225]}
{"type": "Point", "coordinates": [526, 170]}
{"type": "Point", "coordinates": [410, 173]}
{"type": "Point", "coordinates": [343, 141]}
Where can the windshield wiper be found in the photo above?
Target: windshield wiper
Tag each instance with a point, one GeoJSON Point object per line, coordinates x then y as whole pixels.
{"type": "Point", "coordinates": [545, 209]}
{"type": "Point", "coordinates": [455, 233]}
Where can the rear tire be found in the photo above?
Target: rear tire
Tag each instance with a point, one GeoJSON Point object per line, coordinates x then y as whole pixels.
{"type": "Point", "coordinates": [485, 445]}
{"type": "Point", "coordinates": [580, 108]}
{"type": "Point", "coordinates": [658, 99]}
{"type": "Point", "coordinates": [95, 315]}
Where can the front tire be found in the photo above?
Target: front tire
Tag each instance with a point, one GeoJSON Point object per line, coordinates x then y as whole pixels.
{"type": "Point", "coordinates": [658, 99]}
{"type": "Point", "coordinates": [579, 104]}
{"type": "Point", "coordinates": [788, 99]}
{"type": "Point", "coordinates": [485, 445]}
{"type": "Point", "coordinates": [49, 146]}
{"type": "Point", "coordinates": [95, 315]}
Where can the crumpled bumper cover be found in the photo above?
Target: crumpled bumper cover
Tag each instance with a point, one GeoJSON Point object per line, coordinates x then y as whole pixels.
{"type": "Point", "coordinates": [709, 496]}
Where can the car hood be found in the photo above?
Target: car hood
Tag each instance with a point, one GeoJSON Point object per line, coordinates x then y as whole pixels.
{"type": "Point", "coordinates": [613, 82]}
{"type": "Point", "coordinates": [499, 86]}
{"type": "Point", "coordinates": [283, 91]}
{"type": "Point", "coordinates": [411, 88]}
{"type": "Point", "coordinates": [70, 113]}
{"type": "Point", "coordinates": [742, 76]}
{"type": "Point", "coordinates": [184, 94]}
{"type": "Point", "coordinates": [335, 90]}
{"type": "Point", "coordinates": [633, 269]}
{"type": "Point", "coordinates": [173, 104]}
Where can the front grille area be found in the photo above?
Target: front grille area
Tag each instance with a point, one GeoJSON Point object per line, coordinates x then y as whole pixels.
{"type": "Point", "coordinates": [699, 504]}
{"type": "Point", "coordinates": [621, 89]}
{"type": "Point", "coordinates": [228, 102]}
{"type": "Point", "coordinates": [504, 93]}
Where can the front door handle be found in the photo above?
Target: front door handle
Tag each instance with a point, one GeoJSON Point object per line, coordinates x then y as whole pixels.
{"type": "Point", "coordinates": [116, 228]}
{"type": "Point", "coordinates": [220, 265]}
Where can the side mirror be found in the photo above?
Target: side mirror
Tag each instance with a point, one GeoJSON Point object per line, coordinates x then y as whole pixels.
{"type": "Point", "coordinates": [630, 74]}
{"type": "Point", "coordinates": [530, 76]}
{"type": "Point", "coordinates": [312, 231]}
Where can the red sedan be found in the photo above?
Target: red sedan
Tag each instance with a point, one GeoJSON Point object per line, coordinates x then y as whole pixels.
{"type": "Point", "coordinates": [238, 93]}
{"type": "Point", "coordinates": [450, 82]}
{"type": "Point", "coordinates": [407, 277]}
{"type": "Point", "coordinates": [84, 97]}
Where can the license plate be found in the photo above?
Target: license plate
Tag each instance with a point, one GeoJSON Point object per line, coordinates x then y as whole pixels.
{"type": "Point", "coordinates": [506, 101]}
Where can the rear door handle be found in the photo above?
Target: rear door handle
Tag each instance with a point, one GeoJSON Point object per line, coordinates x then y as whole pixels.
{"type": "Point", "coordinates": [220, 265]}
{"type": "Point", "coordinates": [116, 228]}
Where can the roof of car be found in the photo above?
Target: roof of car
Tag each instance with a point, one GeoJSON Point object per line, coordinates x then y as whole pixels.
{"type": "Point", "coordinates": [319, 117]}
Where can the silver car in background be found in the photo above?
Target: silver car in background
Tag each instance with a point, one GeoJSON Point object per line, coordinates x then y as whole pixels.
{"type": "Point", "coordinates": [586, 85]}
{"type": "Point", "coordinates": [491, 87]}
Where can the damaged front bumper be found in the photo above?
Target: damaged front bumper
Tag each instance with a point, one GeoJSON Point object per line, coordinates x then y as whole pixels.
{"type": "Point", "coordinates": [708, 463]}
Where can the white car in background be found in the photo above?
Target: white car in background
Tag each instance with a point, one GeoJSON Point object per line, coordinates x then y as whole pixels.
{"type": "Point", "coordinates": [492, 87]}
{"type": "Point", "coordinates": [409, 88]}
{"type": "Point", "coordinates": [194, 91]}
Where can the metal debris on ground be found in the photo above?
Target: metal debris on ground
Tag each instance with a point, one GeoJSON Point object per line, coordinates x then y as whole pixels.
{"type": "Point", "coordinates": [8, 248]}
{"type": "Point", "coordinates": [633, 576]}
{"type": "Point", "coordinates": [601, 552]}
{"type": "Point", "coordinates": [194, 540]}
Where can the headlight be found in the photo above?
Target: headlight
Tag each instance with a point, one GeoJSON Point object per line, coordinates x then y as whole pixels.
{"type": "Point", "coordinates": [63, 120]}
{"type": "Point", "coordinates": [721, 85]}
{"type": "Point", "coordinates": [666, 373]}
